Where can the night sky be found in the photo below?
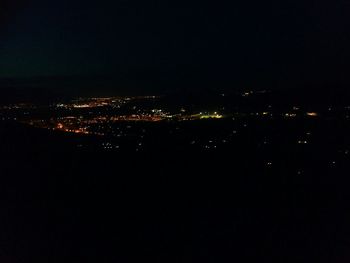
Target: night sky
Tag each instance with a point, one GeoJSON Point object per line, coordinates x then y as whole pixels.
{"type": "Point", "coordinates": [256, 43]}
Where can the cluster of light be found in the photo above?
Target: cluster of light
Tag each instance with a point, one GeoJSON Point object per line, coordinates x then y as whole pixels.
{"type": "Point", "coordinates": [78, 106]}
{"type": "Point", "coordinates": [215, 115]}
{"type": "Point", "coordinates": [137, 117]}
{"type": "Point", "coordinates": [290, 115]}
{"type": "Point", "coordinates": [312, 114]}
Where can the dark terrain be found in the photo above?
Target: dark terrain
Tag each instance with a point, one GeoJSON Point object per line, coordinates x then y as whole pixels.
{"type": "Point", "coordinates": [261, 197]}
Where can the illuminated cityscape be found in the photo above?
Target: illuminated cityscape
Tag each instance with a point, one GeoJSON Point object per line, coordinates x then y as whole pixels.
{"type": "Point", "coordinates": [174, 131]}
{"type": "Point", "coordinates": [219, 124]}
{"type": "Point", "coordinates": [131, 123]}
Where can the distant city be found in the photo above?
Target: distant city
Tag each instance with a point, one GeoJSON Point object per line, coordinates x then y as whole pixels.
{"type": "Point", "coordinates": [255, 148]}
{"type": "Point", "coordinates": [138, 123]}
{"type": "Point", "coordinates": [93, 115]}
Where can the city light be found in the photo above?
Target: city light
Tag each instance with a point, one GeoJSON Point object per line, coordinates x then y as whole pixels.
{"type": "Point", "coordinates": [312, 114]}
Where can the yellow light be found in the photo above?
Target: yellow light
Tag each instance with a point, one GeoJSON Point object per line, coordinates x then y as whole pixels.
{"type": "Point", "coordinates": [81, 106]}
{"type": "Point", "coordinates": [215, 116]}
{"type": "Point", "coordinates": [312, 114]}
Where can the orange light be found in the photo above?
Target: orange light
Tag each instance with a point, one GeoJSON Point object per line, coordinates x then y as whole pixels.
{"type": "Point", "coordinates": [312, 114]}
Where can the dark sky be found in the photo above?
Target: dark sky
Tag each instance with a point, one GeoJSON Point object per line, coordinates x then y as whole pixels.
{"type": "Point", "coordinates": [277, 43]}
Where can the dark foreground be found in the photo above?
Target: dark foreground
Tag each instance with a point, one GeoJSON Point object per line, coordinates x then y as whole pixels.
{"type": "Point", "coordinates": [62, 204]}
